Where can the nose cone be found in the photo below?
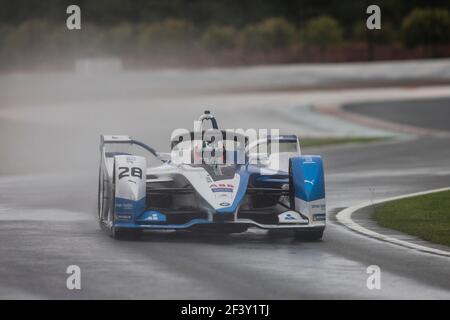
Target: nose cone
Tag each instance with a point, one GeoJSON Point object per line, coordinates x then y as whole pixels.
{"type": "Point", "coordinates": [222, 194]}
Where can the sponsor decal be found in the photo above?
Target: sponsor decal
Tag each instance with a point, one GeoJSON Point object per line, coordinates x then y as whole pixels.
{"type": "Point", "coordinates": [155, 216]}
{"type": "Point", "coordinates": [131, 159]}
{"type": "Point", "coordinates": [308, 160]}
{"type": "Point", "coordinates": [289, 217]}
{"type": "Point", "coordinates": [126, 206]}
{"type": "Point", "coordinates": [222, 187]}
{"type": "Point", "coordinates": [319, 217]}
{"type": "Point", "coordinates": [123, 217]}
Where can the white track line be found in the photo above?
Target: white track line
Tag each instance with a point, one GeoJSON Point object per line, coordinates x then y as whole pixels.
{"type": "Point", "coordinates": [345, 217]}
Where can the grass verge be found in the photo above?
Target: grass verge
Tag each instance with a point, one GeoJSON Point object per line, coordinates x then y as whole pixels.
{"type": "Point", "coordinates": [427, 216]}
{"type": "Point", "coordinates": [318, 142]}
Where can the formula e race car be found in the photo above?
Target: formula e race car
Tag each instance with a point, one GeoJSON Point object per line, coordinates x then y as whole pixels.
{"type": "Point", "coordinates": [212, 180]}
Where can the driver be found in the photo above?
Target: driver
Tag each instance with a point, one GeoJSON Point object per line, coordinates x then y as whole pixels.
{"type": "Point", "coordinates": [209, 152]}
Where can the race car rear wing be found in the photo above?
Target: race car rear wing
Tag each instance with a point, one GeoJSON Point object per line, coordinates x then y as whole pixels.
{"type": "Point", "coordinates": [123, 139]}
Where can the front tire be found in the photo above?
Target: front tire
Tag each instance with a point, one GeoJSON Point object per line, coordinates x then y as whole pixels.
{"type": "Point", "coordinates": [100, 195]}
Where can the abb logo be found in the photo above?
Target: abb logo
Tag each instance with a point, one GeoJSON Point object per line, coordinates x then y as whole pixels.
{"type": "Point", "coordinates": [222, 187]}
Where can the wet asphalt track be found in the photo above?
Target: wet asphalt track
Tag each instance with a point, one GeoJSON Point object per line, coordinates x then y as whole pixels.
{"type": "Point", "coordinates": [419, 113]}
{"type": "Point", "coordinates": [47, 220]}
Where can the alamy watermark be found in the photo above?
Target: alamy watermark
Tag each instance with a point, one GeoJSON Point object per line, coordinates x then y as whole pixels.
{"type": "Point", "coordinates": [73, 281]}
{"type": "Point", "coordinates": [73, 21]}
{"type": "Point", "coordinates": [373, 282]}
{"type": "Point", "coordinates": [225, 147]}
{"type": "Point", "coordinates": [373, 22]}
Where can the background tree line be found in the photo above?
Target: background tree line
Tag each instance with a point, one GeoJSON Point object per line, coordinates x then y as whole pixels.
{"type": "Point", "coordinates": [32, 31]}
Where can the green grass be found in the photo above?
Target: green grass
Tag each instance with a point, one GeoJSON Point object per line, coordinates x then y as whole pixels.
{"type": "Point", "coordinates": [427, 216]}
{"type": "Point", "coordinates": [318, 142]}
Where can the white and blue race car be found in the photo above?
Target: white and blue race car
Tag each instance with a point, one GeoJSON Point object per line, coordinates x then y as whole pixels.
{"type": "Point", "coordinates": [212, 180]}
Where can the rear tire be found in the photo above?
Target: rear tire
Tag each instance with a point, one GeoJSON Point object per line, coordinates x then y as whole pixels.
{"type": "Point", "coordinates": [309, 235]}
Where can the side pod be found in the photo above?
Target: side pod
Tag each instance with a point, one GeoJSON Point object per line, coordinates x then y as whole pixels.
{"type": "Point", "coordinates": [307, 188]}
{"type": "Point", "coordinates": [130, 187]}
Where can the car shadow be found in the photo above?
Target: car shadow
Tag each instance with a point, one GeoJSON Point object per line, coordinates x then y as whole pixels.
{"type": "Point", "coordinates": [249, 237]}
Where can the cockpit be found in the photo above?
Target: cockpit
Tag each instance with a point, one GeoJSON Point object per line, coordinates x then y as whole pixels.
{"type": "Point", "coordinates": [211, 147]}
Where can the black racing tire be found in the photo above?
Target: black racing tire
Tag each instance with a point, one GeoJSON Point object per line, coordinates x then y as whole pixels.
{"type": "Point", "coordinates": [103, 198]}
{"type": "Point", "coordinates": [100, 193]}
{"type": "Point", "coordinates": [309, 235]}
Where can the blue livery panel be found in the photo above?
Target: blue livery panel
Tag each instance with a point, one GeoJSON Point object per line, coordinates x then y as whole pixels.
{"type": "Point", "coordinates": [308, 177]}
